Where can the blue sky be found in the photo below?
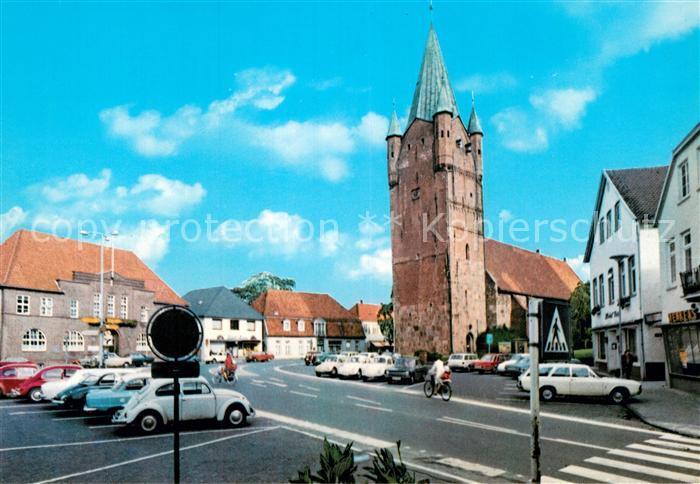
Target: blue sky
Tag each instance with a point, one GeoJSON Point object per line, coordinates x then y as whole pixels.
{"type": "Point", "coordinates": [268, 121]}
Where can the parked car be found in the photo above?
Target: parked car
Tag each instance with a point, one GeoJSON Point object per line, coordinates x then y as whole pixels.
{"type": "Point", "coordinates": [488, 362]}
{"type": "Point", "coordinates": [215, 357]}
{"type": "Point", "coordinates": [74, 396]}
{"type": "Point", "coordinates": [13, 360]}
{"type": "Point", "coordinates": [330, 365]}
{"type": "Point", "coordinates": [514, 358]}
{"type": "Point", "coordinates": [110, 399]}
{"type": "Point", "coordinates": [90, 361]}
{"type": "Point", "coordinates": [462, 361]}
{"type": "Point", "coordinates": [140, 359]}
{"type": "Point", "coordinates": [310, 357]}
{"type": "Point", "coordinates": [351, 367]}
{"type": "Point", "coordinates": [320, 358]}
{"type": "Point", "coordinates": [12, 375]}
{"type": "Point", "coordinates": [407, 368]}
{"type": "Point", "coordinates": [259, 357]}
{"type": "Point", "coordinates": [113, 360]}
{"type": "Point", "coordinates": [31, 387]}
{"type": "Point", "coordinates": [152, 407]}
{"type": "Point", "coordinates": [376, 368]}
{"type": "Point", "coordinates": [568, 379]}
{"type": "Point", "coordinates": [519, 367]}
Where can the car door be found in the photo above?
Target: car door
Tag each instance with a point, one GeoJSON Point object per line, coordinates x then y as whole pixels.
{"type": "Point", "coordinates": [581, 382]}
{"type": "Point", "coordinates": [164, 399]}
{"type": "Point", "coordinates": [198, 401]}
{"type": "Point", "coordinates": [10, 379]}
{"type": "Point", "coordinates": [560, 379]}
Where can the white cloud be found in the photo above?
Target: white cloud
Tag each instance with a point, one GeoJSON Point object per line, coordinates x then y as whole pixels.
{"type": "Point", "coordinates": [374, 265]}
{"type": "Point", "coordinates": [581, 268]}
{"type": "Point", "coordinates": [564, 106]}
{"type": "Point", "coordinates": [151, 134]}
{"type": "Point", "coordinates": [150, 240]}
{"type": "Point", "coordinates": [518, 132]}
{"type": "Point", "coordinates": [329, 242]}
{"type": "Point", "coordinates": [76, 186]}
{"type": "Point", "coordinates": [11, 219]}
{"type": "Point", "coordinates": [486, 83]}
{"type": "Point", "coordinates": [163, 196]}
{"type": "Point", "coordinates": [326, 84]}
{"type": "Point", "coordinates": [372, 129]}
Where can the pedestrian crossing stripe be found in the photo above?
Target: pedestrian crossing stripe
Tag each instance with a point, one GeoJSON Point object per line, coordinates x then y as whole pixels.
{"type": "Point", "coordinates": [556, 339]}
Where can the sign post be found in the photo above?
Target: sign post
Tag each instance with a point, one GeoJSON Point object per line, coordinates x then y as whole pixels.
{"type": "Point", "coordinates": [534, 311]}
{"type": "Point", "coordinates": [175, 336]}
{"type": "Point", "coordinates": [489, 340]}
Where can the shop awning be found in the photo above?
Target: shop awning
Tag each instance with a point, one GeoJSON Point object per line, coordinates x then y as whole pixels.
{"type": "Point", "coordinates": [380, 344]}
{"type": "Point", "coordinates": [113, 327]}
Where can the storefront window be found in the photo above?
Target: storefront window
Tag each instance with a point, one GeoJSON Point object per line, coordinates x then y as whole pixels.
{"type": "Point", "coordinates": [602, 345]}
{"type": "Point", "coordinates": [683, 349]}
{"type": "Point", "coordinates": [631, 340]}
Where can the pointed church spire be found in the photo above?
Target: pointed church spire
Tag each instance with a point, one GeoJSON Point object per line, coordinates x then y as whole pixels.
{"type": "Point", "coordinates": [443, 104]}
{"type": "Point", "coordinates": [431, 80]}
{"type": "Point", "coordinates": [394, 127]}
{"type": "Point", "coordinates": [474, 126]}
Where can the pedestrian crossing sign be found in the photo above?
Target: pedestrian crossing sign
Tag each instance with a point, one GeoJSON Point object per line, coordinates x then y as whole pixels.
{"type": "Point", "coordinates": [555, 331]}
{"type": "Point", "coordinates": [556, 339]}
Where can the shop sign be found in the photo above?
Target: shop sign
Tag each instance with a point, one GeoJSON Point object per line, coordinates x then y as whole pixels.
{"type": "Point", "coordinates": [683, 316]}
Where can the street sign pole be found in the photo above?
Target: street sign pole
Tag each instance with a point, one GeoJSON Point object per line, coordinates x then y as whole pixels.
{"type": "Point", "coordinates": [176, 430]}
{"type": "Point", "coordinates": [534, 314]}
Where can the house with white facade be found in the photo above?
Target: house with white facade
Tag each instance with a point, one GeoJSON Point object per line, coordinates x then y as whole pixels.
{"type": "Point", "coordinates": [622, 251]}
{"type": "Point", "coordinates": [678, 223]}
{"type": "Point", "coordinates": [368, 314]}
{"type": "Point", "coordinates": [229, 323]}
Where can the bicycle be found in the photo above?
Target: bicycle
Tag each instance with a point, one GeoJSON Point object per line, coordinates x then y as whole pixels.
{"type": "Point", "coordinates": [444, 388]}
{"type": "Point", "coordinates": [218, 376]}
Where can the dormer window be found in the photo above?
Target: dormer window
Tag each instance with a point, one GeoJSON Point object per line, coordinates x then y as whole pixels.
{"type": "Point", "coordinates": [300, 325]}
{"type": "Point", "coordinates": [287, 325]}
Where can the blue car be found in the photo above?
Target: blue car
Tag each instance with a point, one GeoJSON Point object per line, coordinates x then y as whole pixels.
{"type": "Point", "coordinates": [109, 400]}
{"type": "Point", "coordinates": [75, 396]}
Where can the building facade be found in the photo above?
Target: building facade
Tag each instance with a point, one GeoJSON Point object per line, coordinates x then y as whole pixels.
{"type": "Point", "coordinates": [50, 299]}
{"type": "Point", "coordinates": [678, 223]}
{"type": "Point", "coordinates": [229, 323]}
{"type": "Point", "coordinates": [368, 314]}
{"type": "Point", "coordinates": [435, 182]}
{"type": "Point", "coordinates": [297, 322]}
{"type": "Point", "coordinates": [622, 251]}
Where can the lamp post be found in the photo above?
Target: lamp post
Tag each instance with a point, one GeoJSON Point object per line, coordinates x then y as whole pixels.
{"type": "Point", "coordinates": [103, 238]}
{"type": "Point", "coordinates": [619, 258]}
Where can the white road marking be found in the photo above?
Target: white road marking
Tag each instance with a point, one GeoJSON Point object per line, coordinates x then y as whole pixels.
{"type": "Point", "coordinates": [371, 407]}
{"type": "Point", "coordinates": [259, 382]}
{"type": "Point", "coordinates": [281, 385]}
{"type": "Point", "coordinates": [32, 412]}
{"type": "Point", "coordinates": [351, 397]}
{"type": "Point", "coordinates": [674, 445]}
{"type": "Point", "coordinates": [303, 394]}
{"type": "Point", "coordinates": [430, 470]}
{"type": "Point", "coordinates": [10, 405]}
{"type": "Point", "coordinates": [659, 450]}
{"type": "Point", "coordinates": [654, 458]}
{"type": "Point", "coordinates": [503, 399]}
{"type": "Point", "coordinates": [313, 389]}
{"type": "Point", "coordinates": [553, 480]}
{"type": "Point", "coordinates": [599, 476]}
{"type": "Point", "coordinates": [276, 379]}
{"type": "Point", "coordinates": [153, 456]}
{"type": "Point", "coordinates": [105, 426]}
{"type": "Point", "coordinates": [258, 385]}
{"type": "Point", "coordinates": [118, 440]}
{"type": "Point", "coordinates": [472, 467]}
{"type": "Point", "coordinates": [79, 418]}
{"type": "Point", "coordinates": [680, 438]}
{"type": "Point", "coordinates": [326, 430]}
{"type": "Point", "coordinates": [640, 469]}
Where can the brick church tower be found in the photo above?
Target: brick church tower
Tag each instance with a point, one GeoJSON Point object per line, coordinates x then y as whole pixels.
{"type": "Point", "coordinates": [437, 237]}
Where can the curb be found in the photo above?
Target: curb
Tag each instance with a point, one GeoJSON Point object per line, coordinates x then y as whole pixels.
{"type": "Point", "coordinates": [659, 426]}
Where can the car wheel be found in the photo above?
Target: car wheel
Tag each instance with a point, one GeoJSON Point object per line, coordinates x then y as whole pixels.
{"type": "Point", "coordinates": [149, 422]}
{"type": "Point", "coordinates": [619, 395]}
{"type": "Point", "coordinates": [235, 415]}
{"type": "Point", "coordinates": [126, 365]}
{"type": "Point", "coordinates": [412, 379]}
{"type": "Point", "coordinates": [547, 394]}
{"type": "Point", "coordinates": [35, 394]}
{"type": "Point", "coordinates": [334, 372]}
{"type": "Point", "coordinates": [318, 374]}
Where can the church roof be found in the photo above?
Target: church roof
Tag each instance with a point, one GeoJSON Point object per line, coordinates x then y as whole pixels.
{"type": "Point", "coordinates": [474, 125]}
{"type": "Point", "coordinates": [431, 80]}
{"type": "Point", "coordinates": [394, 127]}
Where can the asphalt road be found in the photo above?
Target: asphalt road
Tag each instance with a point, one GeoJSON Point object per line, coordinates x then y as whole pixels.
{"type": "Point", "coordinates": [481, 435]}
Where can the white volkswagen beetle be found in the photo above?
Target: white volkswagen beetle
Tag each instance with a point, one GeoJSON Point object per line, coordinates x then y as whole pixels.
{"type": "Point", "coordinates": [376, 368]}
{"type": "Point", "coordinates": [351, 368]}
{"type": "Point", "coordinates": [152, 406]}
{"type": "Point", "coordinates": [330, 365]}
{"type": "Point", "coordinates": [579, 380]}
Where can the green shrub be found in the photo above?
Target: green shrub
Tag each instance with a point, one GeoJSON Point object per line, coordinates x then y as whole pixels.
{"type": "Point", "coordinates": [386, 470]}
{"type": "Point", "coordinates": [337, 466]}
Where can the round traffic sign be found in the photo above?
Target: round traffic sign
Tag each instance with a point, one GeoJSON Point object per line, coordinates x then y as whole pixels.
{"type": "Point", "coordinates": [174, 333]}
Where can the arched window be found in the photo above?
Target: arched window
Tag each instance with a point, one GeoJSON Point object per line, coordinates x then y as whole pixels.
{"type": "Point", "coordinates": [301, 326]}
{"type": "Point", "coordinates": [466, 251]}
{"type": "Point", "coordinates": [34, 340]}
{"type": "Point", "coordinates": [142, 342]}
{"type": "Point", "coordinates": [319, 327]}
{"type": "Point", "coordinates": [73, 341]}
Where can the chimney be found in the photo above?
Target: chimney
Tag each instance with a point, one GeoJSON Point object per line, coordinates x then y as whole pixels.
{"type": "Point", "coordinates": [537, 251]}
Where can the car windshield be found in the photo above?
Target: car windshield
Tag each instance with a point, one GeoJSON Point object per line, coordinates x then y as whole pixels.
{"type": "Point", "coordinates": [89, 380]}
{"type": "Point", "coordinates": [405, 362]}
{"type": "Point", "coordinates": [332, 358]}
{"type": "Point", "coordinates": [455, 357]}
{"type": "Point", "coordinates": [489, 357]}
{"type": "Point", "coordinates": [381, 360]}
{"type": "Point", "coordinates": [355, 359]}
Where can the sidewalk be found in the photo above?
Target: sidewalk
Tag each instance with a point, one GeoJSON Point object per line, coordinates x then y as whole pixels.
{"type": "Point", "coordinates": [667, 408]}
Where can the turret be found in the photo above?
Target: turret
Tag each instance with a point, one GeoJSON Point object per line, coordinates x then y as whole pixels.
{"type": "Point", "coordinates": [442, 123]}
{"type": "Point", "coordinates": [475, 138]}
{"type": "Point", "coordinates": [393, 146]}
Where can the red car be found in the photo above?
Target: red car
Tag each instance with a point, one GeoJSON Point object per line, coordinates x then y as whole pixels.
{"type": "Point", "coordinates": [12, 361]}
{"type": "Point", "coordinates": [31, 387]}
{"type": "Point", "coordinates": [13, 374]}
{"type": "Point", "coordinates": [260, 357]}
{"type": "Point", "coordinates": [489, 362]}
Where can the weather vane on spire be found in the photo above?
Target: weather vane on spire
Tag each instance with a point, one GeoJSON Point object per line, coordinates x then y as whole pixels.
{"type": "Point", "coordinates": [472, 98]}
{"type": "Point", "coordinates": [430, 7]}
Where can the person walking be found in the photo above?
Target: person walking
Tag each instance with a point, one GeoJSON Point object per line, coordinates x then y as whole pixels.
{"type": "Point", "coordinates": [627, 362]}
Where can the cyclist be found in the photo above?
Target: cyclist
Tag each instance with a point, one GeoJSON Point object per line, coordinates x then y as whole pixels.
{"type": "Point", "coordinates": [436, 373]}
{"type": "Point", "coordinates": [228, 372]}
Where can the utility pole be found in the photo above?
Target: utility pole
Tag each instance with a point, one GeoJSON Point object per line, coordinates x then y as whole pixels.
{"type": "Point", "coordinates": [534, 313]}
{"type": "Point", "coordinates": [619, 259]}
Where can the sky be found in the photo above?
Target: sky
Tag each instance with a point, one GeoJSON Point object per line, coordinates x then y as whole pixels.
{"type": "Point", "coordinates": [225, 139]}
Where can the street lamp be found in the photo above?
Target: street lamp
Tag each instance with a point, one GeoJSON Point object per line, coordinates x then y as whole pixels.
{"type": "Point", "coordinates": [619, 258]}
{"type": "Point", "coordinates": [104, 238]}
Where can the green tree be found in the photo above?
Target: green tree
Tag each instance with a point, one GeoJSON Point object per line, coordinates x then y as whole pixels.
{"type": "Point", "coordinates": [580, 307]}
{"type": "Point", "coordinates": [255, 285]}
{"type": "Point", "coordinates": [386, 320]}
